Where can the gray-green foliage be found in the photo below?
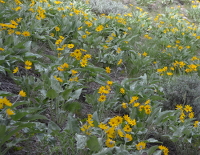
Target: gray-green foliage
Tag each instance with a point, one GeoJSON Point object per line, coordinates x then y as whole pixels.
{"type": "Point", "coordinates": [108, 7]}
{"type": "Point", "coordinates": [183, 90]}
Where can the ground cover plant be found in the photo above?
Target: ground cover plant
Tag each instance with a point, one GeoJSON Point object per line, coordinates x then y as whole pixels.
{"type": "Point", "coordinates": [99, 77]}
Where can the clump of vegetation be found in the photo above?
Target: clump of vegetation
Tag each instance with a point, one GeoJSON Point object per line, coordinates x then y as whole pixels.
{"type": "Point", "coordinates": [85, 78]}
{"type": "Point", "coordinates": [108, 7]}
{"type": "Point", "coordinates": [183, 90]}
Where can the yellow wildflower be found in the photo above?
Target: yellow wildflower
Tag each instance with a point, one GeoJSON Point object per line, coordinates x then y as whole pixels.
{"type": "Point", "coordinates": [9, 112]}
{"type": "Point", "coordinates": [110, 143]}
{"type": "Point", "coordinates": [15, 70]}
{"type": "Point", "coordinates": [22, 93]}
{"type": "Point", "coordinates": [141, 146]}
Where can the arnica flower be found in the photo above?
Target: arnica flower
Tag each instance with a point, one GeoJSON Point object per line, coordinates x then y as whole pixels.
{"type": "Point", "coordinates": [108, 70]}
{"type": "Point", "coordinates": [122, 90]}
{"type": "Point", "coordinates": [103, 90]}
{"type": "Point", "coordinates": [136, 104]}
{"type": "Point", "coordinates": [22, 93]}
{"type": "Point", "coordinates": [191, 115]}
{"type": "Point", "coordinates": [164, 149]}
{"type": "Point", "coordinates": [128, 137]}
{"type": "Point", "coordinates": [58, 2]}
{"type": "Point", "coordinates": [109, 82]}
{"type": "Point", "coordinates": [1, 105]}
{"type": "Point", "coordinates": [63, 67]}
{"type": "Point", "coordinates": [99, 28]}
{"type": "Point", "coordinates": [58, 79]}
{"type": "Point", "coordinates": [73, 72]}
{"type": "Point", "coordinates": [9, 112]}
{"type": "Point", "coordinates": [133, 99]}
{"type": "Point", "coordinates": [179, 107]}
{"type": "Point", "coordinates": [115, 121]}
{"type": "Point", "coordinates": [144, 54]}
{"type": "Point", "coordinates": [147, 101]}
{"type": "Point", "coordinates": [119, 62]}
{"type": "Point", "coordinates": [84, 36]}
{"type": "Point", "coordinates": [196, 124]}
{"type": "Point", "coordinates": [103, 126]}
{"type": "Point", "coordinates": [83, 62]}
{"type": "Point", "coordinates": [102, 98]}
{"type": "Point", "coordinates": [28, 64]}
{"type": "Point", "coordinates": [1, 1]}
{"type": "Point", "coordinates": [26, 33]}
{"type": "Point", "coordinates": [120, 133]}
{"type": "Point", "coordinates": [1, 49]}
{"type": "Point", "coordinates": [110, 143]}
{"type": "Point", "coordinates": [6, 102]}
{"type": "Point", "coordinates": [169, 73]}
{"type": "Point", "coordinates": [15, 70]}
{"type": "Point", "coordinates": [124, 105]}
{"type": "Point", "coordinates": [57, 28]}
{"type": "Point", "coordinates": [110, 132]}
{"type": "Point", "coordinates": [18, 33]}
{"type": "Point", "coordinates": [141, 146]}
{"type": "Point", "coordinates": [70, 45]}
{"type": "Point", "coordinates": [188, 108]}
{"type": "Point", "coordinates": [127, 128]}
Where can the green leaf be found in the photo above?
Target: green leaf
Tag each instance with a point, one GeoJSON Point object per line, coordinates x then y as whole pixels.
{"type": "Point", "coordinates": [28, 45]}
{"type": "Point", "coordinates": [72, 124]}
{"type": "Point", "coordinates": [76, 94]}
{"type": "Point", "coordinates": [93, 144]}
{"type": "Point", "coordinates": [66, 93]}
{"type": "Point", "coordinates": [52, 94]}
{"type": "Point", "coordinates": [30, 54]}
{"type": "Point", "coordinates": [52, 126]}
{"type": "Point", "coordinates": [158, 152]}
{"type": "Point", "coordinates": [72, 107]}
{"type": "Point", "coordinates": [31, 117]}
{"type": "Point", "coordinates": [152, 150]}
{"type": "Point", "coordinates": [11, 133]}
{"type": "Point", "coordinates": [19, 115]}
{"type": "Point", "coordinates": [2, 130]}
{"type": "Point", "coordinates": [95, 116]}
{"type": "Point", "coordinates": [5, 93]}
{"type": "Point", "coordinates": [80, 141]}
{"type": "Point", "coordinates": [19, 103]}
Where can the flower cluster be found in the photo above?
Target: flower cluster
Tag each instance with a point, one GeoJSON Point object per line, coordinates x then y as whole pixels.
{"type": "Point", "coordinates": [164, 149]}
{"type": "Point", "coordinates": [103, 90]}
{"type": "Point", "coordinates": [134, 103]}
{"type": "Point", "coordinates": [186, 111]}
{"type": "Point", "coordinates": [28, 64]}
{"type": "Point", "coordinates": [5, 102]}
{"type": "Point", "coordinates": [117, 128]}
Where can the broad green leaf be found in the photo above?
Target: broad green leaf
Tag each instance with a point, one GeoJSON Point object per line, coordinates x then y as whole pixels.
{"type": "Point", "coordinates": [52, 93]}
{"type": "Point", "coordinates": [5, 93]}
{"type": "Point", "coordinates": [30, 54]}
{"type": "Point", "coordinates": [11, 133]}
{"type": "Point", "coordinates": [19, 115]}
{"type": "Point", "coordinates": [27, 45]}
{"type": "Point", "coordinates": [52, 126]}
{"type": "Point", "coordinates": [72, 106]}
{"type": "Point", "coordinates": [159, 152]}
{"type": "Point", "coordinates": [2, 130]}
{"type": "Point", "coordinates": [152, 150]}
{"type": "Point", "coordinates": [93, 144]}
{"type": "Point", "coordinates": [31, 117]}
{"type": "Point", "coordinates": [80, 141]}
{"type": "Point", "coordinates": [76, 94]}
{"type": "Point", "coordinates": [19, 103]}
{"type": "Point", "coordinates": [66, 93]}
{"type": "Point", "coordinates": [72, 124]}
